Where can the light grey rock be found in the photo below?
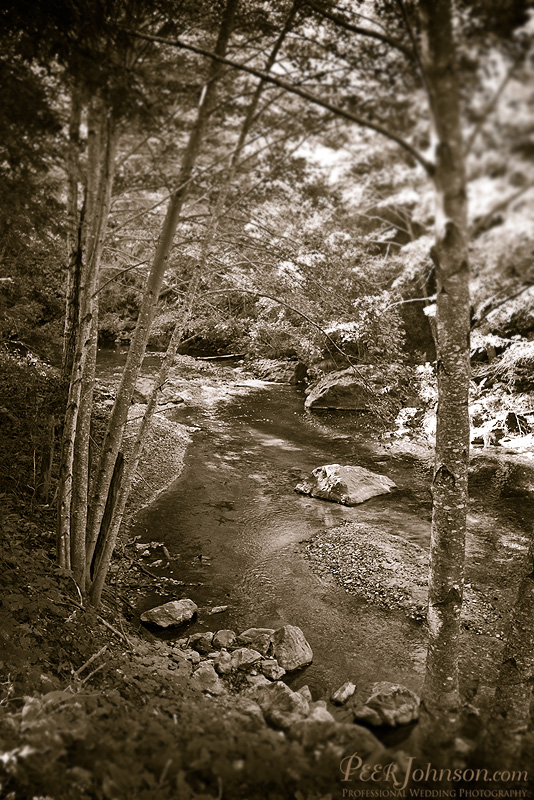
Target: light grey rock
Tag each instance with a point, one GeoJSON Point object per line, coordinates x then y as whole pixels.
{"type": "Point", "coordinates": [244, 658]}
{"type": "Point", "coordinates": [258, 638]}
{"type": "Point", "coordinates": [342, 389]}
{"type": "Point", "coordinates": [272, 669]}
{"type": "Point", "coordinates": [389, 704]}
{"type": "Point", "coordinates": [206, 679]}
{"type": "Point", "coordinates": [223, 663]}
{"type": "Point", "coordinates": [257, 680]}
{"type": "Point", "coordinates": [347, 485]}
{"type": "Point", "coordinates": [342, 694]}
{"type": "Point", "coordinates": [218, 609]}
{"type": "Point", "coordinates": [170, 614]}
{"type": "Point", "coordinates": [280, 706]}
{"type": "Point", "coordinates": [320, 715]}
{"type": "Point", "coordinates": [223, 638]}
{"type": "Point", "coordinates": [290, 648]}
{"type": "Point", "coordinates": [305, 692]}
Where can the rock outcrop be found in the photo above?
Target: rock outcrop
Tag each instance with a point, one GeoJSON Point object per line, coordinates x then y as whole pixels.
{"type": "Point", "coordinates": [342, 389]}
{"type": "Point", "coordinates": [347, 485]}
{"type": "Point", "coordinates": [280, 371]}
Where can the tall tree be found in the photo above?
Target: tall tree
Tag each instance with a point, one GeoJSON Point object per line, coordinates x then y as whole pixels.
{"type": "Point", "coordinates": [116, 425]}
{"type": "Point", "coordinates": [449, 484]}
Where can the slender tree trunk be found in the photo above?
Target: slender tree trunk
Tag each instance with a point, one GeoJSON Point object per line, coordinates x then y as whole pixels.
{"type": "Point", "coordinates": [117, 422]}
{"type": "Point", "coordinates": [74, 465]}
{"type": "Point", "coordinates": [449, 486]}
{"type": "Point", "coordinates": [513, 695]}
{"type": "Point", "coordinates": [74, 234]}
{"type": "Point", "coordinates": [108, 534]}
{"type": "Point", "coordinates": [81, 461]}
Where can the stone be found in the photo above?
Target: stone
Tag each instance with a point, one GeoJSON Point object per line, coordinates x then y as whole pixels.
{"type": "Point", "coordinates": [244, 658]}
{"type": "Point", "coordinates": [305, 692]}
{"type": "Point", "coordinates": [206, 679]}
{"type": "Point", "coordinates": [272, 669]}
{"type": "Point", "coordinates": [337, 738]}
{"type": "Point", "coordinates": [257, 680]}
{"type": "Point", "coordinates": [290, 648]}
{"type": "Point", "coordinates": [347, 485]}
{"type": "Point", "coordinates": [258, 638]}
{"type": "Point", "coordinates": [342, 389]}
{"type": "Point", "coordinates": [319, 714]}
{"type": "Point", "coordinates": [201, 642]}
{"type": "Point", "coordinates": [249, 713]}
{"type": "Point", "coordinates": [223, 638]}
{"type": "Point", "coordinates": [223, 663]}
{"type": "Point", "coordinates": [280, 371]}
{"type": "Point", "coordinates": [281, 707]}
{"type": "Point", "coordinates": [188, 656]}
{"type": "Point", "coordinates": [218, 609]}
{"type": "Point", "coordinates": [389, 704]}
{"type": "Point", "coordinates": [176, 612]}
{"type": "Point", "coordinates": [342, 694]}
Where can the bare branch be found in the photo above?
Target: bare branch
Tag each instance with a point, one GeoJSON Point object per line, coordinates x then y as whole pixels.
{"type": "Point", "coordinates": [348, 26]}
{"type": "Point", "coordinates": [478, 322]}
{"type": "Point", "coordinates": [479, 226]}
{"type": "Point", "coordinates": [489, 108]}
{"type": "Point", "coordinates": [296, 90]}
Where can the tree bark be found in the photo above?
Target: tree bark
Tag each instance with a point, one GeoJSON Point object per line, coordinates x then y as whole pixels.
{"type": "Point", "coordinates": [74, 236]}
{"type": "Point", "coordinates": [119, 414]}
{"type": "Point", "coordinates": [74, 464]}
{"type": "Point", "coordinates": [449, 486]}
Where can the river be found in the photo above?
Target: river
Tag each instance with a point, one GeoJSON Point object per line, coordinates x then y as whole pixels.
{"type": "Point", "coordinates": [233, 526]}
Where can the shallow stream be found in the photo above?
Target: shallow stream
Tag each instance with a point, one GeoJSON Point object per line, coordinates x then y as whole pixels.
{"type": "Point", "coordinates": [233, 526]}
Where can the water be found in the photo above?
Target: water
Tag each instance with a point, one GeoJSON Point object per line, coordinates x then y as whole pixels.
{"type": "Point", "coordinates": [233, 526]}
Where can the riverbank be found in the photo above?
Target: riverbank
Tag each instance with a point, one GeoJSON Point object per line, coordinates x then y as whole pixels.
{"type": "Point", "coordinates": [102, 708]}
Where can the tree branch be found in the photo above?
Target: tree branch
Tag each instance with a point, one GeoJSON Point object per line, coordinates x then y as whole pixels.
{"type": "Point", "coordinates": [478, 322]}
{"type": "Point", "coordinates": [479, 226]}
{"type": "Point", "coordinates": [348, 26]}
{"type": "Point", "coordinates": [489, 108]}
{"type": "Point", "coordinates": [296, 90]}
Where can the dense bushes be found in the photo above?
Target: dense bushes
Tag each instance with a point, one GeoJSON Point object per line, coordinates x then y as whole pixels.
{"type": "Point", "coordinates": [30, 408]}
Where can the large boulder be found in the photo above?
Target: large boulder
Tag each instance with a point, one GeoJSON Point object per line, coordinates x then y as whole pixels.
{"type": "Point", "coordinates": [389, 704]}
{"type": "Point", "coordinates": [345, 484]}
{"type": "Point", "coordinates": [290, 648]}
{"type": "Point", "coordinates": [170, 614]}
{"type": "Point", "coordinates": [343, 389]}
{"type": "Point", "coordinates": [280, 371]}
{"type": "Point", "coordinates": [281, 707]}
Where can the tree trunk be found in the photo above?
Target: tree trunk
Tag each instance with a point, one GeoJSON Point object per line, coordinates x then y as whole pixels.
{"type": "Point", "coordinates": [74, 466]}
{"type": "Point", "coordinates": [513, 695]}
{"type": "Point", "coordinates": [74, 236]}
{"type": "Point", "coordinates": [117, 422]}
{"type": "Point", "coordinates": [107, 538]}
{"type": "Point", "coordinates": [449, 486]}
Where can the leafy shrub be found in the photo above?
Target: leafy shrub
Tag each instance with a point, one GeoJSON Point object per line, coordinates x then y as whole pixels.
{"type": "Point", "coordinates": [30, 403]}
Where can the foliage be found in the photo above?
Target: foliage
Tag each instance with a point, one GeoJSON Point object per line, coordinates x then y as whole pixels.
{"type": "Point", "coordinates": [30, 405]}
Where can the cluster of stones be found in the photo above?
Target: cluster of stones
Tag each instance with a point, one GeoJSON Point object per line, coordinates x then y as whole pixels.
{"type": "Point", "coordinates": [255, 657]}
{"type": "Point", "coordinates": [246, 670]}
